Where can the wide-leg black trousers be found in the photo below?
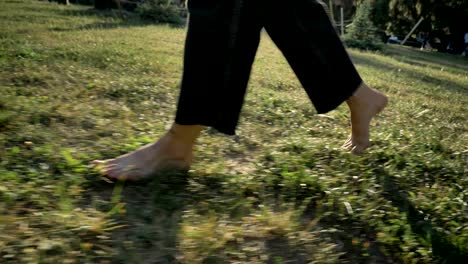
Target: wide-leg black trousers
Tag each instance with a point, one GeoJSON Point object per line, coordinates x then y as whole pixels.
{"type": "Point", "coordinates": [222, 39]}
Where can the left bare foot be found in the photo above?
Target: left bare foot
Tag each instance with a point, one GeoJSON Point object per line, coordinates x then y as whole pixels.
{"type": "Point", "coordinates": [172, 151]}
{"type": "Point", "coordinates": [365, 104]}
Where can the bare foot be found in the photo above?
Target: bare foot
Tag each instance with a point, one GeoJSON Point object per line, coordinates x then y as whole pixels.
{"type": "Point", "coordinates": [364, 105]}
{"type": "Point", "coordinates": [172, 151]}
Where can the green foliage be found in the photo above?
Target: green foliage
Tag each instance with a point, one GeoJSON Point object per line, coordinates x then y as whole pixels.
{"type": "Point", "coordinates": [160, 11]}
{"type": "Point", "coordinates": [399, 16]}
{"type": "Point", "coordinates": [362, 33]}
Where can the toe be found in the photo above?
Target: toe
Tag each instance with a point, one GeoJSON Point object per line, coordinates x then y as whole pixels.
{"type": "Point", "coordinates": [113, 170]}
{"type": "Point", "coordinates": [110, 167]}
{"type": "Point", "coordinates": [357, 150]}
{"type": "Point", "coordinates": [102, 162]}
{"type": "Point", "coordinates": [115, 174]}
{"type": "Point", "coordinates": [348, 144]}
{"type": "Point", "coordinates": [98, 162]}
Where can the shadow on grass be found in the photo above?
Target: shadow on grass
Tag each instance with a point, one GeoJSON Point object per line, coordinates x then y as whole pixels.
{"type": "Point", "coordinates": [443, 249]}
{"type": "Point", "coordinates": [155, 211]}
{"type": "Point", "coordinates": [432, 58]}
{"type": "Point", "coordinates": [452, 68]}
{"type": "Point", "coordinates": [153, 214]}
{"type": "Point", "coordinates": [352, 236]}
{"type": "Point", "coordinates": [443, 83]}
{"type": "Point", "coordinates": [116, 20]}
{"type": "Point", "coordinates": [352, 230]}
{"type": "Point", "coordinates": [119, 23]}
{"type": "Point", "coordinates": [90, 11]}
{"type": "Point", "coordinates": [97, 26]}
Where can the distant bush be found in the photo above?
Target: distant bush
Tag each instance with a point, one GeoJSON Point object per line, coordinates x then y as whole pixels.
{"type": "Point", "coordinates": [362, 33]}
{"type": "Point", "coordinates": [160, 11]}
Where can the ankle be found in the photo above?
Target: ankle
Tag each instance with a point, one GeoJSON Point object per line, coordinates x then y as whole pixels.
{"type": "Point", "coordinates": [186, 134]}
{"type": "Point", "coordinates": [360, 92]}
{"type": "Point", "coordinates": [363, 96]}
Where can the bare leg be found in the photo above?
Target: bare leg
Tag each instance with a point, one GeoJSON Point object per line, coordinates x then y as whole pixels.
{"type": "Point", "coordinates": [171, 151]}
{"type": "Point", "coordinates": [364, 105]}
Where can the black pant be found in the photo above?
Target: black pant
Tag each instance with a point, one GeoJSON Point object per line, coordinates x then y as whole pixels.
{"type": "Point", "coordinates": [222, 39]}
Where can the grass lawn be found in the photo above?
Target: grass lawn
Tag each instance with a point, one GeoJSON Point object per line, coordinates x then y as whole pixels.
{"type": "Point", "coordinates": [77, 84]}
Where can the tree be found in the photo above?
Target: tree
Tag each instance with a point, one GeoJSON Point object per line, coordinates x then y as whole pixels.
{"type": "Point", "coordinates": [362, 33]}
{"type": "Point", "coordinates": [399, 16]}
{"type": "Point", "coordinates": [160, 11]}
{"type": "Point", "coordinates": [446, 20]}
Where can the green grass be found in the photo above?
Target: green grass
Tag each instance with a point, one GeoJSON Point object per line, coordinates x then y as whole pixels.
{"type": "Point", "coordinates": [77, 85]}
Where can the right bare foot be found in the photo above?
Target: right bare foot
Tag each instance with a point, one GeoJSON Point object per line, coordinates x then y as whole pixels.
{"type": "Point", "coordinates": [172, 151]}
{"type": "Point", "coordinates": [365, 104]}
